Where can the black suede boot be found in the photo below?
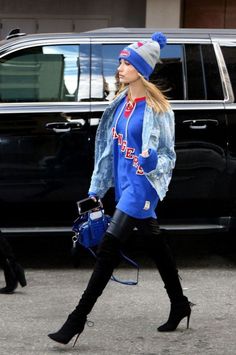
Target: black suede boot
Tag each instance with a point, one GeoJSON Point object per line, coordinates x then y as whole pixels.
{"type": "Point", "coordinates": [10, 278]}
{"type": "Point", "coordinates": [163, 257]}
{"type": "Point", "coordinates": [178, 311]}
{"type": "Point", "coordinates": [74, 325]}
{"type": "Point", "coordinates": [20, 274]}
{"type": "Point", "coordinates": [108, 257]}
{"type": "Point", "coordinates": [13, 273]}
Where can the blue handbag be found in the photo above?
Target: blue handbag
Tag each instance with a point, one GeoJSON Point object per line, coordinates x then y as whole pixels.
{"type": "Point", "coordinates": [89, 229]}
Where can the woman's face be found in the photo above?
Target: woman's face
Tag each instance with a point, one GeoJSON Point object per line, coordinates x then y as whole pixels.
{"type": "Point", "coordinates": [126, 72]}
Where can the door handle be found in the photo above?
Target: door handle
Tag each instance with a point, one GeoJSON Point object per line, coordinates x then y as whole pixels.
{"type": "Point", "coordinates": [200, 123]}
{"type": "Point", "coordinates": [63, 127]}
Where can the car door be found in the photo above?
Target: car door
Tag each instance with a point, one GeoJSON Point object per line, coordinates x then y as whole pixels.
{"type": "Point", "coordinates": [228, 48]}
{"type": "Point", "coordinates": [45, 161]}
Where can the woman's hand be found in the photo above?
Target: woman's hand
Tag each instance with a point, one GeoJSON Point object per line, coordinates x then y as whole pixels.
{"type": "Point", "coordinates": [145, 153]}
{"type": "Point", "coordinates": [96, 198]}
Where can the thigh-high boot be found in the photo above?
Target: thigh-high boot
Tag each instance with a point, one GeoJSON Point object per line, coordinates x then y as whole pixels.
{"type": "Point", "coordinates": [108, 258]}
{"type": "Point", "coordinates": [180, 307]}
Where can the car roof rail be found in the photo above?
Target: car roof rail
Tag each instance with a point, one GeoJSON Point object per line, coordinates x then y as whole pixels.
{"type": "Point", "coordinates": [15, 33]}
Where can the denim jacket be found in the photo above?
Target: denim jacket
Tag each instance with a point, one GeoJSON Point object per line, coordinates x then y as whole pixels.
{"type": "Point", "coordinates": [158, 134]}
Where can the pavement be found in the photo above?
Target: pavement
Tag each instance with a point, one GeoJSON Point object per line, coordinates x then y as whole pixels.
{"type": "Point", "coordinates": [125, 317]}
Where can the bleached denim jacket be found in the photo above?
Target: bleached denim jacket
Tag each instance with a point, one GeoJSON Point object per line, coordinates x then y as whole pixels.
{"type": "Point", "coordinates": [158, 134]}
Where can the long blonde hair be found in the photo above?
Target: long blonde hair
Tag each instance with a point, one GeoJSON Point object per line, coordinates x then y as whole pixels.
{"type": "Point", "coordinates": [154, 97]}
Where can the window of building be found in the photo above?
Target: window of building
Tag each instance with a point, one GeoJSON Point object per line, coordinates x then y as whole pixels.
{"type": "Point", "coordinates": [45, 74]}
{"type": "Point", "coordinates": [230, 60]}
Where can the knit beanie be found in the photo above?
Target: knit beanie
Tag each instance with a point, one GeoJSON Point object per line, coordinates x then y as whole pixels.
{"type": "Point", "coordinates": [144, 55]}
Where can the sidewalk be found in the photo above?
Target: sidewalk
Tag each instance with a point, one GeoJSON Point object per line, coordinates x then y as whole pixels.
{"type": "Point", "coordinates": [125, 317]}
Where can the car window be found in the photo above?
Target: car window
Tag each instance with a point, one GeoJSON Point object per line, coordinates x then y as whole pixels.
{"type": "Point", "coordinates": [188, 72]}
{"type": "Point", "coordinates": [168, 74]}
{"type": "Point", "coordinates": [196, 88]}
{"type": "Point", "coordinates": [104, 64]}
{"type": "Point", "coordinates": [104, 82]}
{"type": "Point", "coordinates": [213, 84]}
{"type": "Point", "coordinates": [45, 74]}
{"type": "Point", "coordinates": [229, 54]}
{"type": "Point", "coordinates": [185, 72]}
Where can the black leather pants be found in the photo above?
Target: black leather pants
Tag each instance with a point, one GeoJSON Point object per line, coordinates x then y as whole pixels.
{"type": "Point", "coordinates": [108, 257]}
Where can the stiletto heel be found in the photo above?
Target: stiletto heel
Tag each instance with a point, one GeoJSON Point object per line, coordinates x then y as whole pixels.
{"type": "Point", "coordinates": [188, 318]}
{"type": "Point", "coordinates": [74, 325]}
{"type": "Point", "coordinates": [77, 337]}
{"type": "Point", "coordinates": [178, 312]}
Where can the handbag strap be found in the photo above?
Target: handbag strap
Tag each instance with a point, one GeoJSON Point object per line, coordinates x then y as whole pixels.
{"type": "Point", "coordinates": [127, 282]}
{"type": "Point", "coordinates": [130, 261]}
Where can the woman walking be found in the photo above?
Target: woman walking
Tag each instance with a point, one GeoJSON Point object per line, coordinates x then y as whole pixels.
{"type": "Point", "coordinates": [134, 151]}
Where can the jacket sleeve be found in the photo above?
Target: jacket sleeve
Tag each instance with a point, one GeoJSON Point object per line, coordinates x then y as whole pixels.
{"type": "Point", "coordinates": [162, 141]}
{"type": "Point", "coordinates": [102, 176]}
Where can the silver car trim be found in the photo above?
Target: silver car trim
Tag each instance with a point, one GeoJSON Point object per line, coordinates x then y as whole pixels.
{"type": "Point", "coordinates": [170, 227]}
{"type": "Point", "coordinates": [30, 230]}
{"type": "Point", "coordinates": [227, 88]}
{"type": "Point", "coordinates": [102, 40]}
{"type": "Point", "coordinates": [101, 106]}
{"type": "Point", "coordinates": [11, 48]}
{"type": "Point", "coordinates": [230, 106]}
{"type": "Point", "coordinates": [42, 107]}
{"type": "Point", "coordinates": [185, 105]}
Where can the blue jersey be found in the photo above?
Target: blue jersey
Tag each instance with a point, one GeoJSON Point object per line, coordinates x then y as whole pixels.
{"type": "Point", "coordinates": [134, 193]}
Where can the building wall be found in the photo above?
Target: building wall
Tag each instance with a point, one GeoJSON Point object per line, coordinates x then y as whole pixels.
{"type": "Point", "coordinates": [209, 13]}
{"type": "Point", "coordinates": [163, 14]}
{"type": "Point", "coordinates": [83, 15]}
{"type": "Point", "coordinates": [70, 15]}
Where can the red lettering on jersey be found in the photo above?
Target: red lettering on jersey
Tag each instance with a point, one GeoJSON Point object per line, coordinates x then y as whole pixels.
{"type": "Point", "coordinates": [123, 146]}
{"type": "Point", "coordinates": [135, 161]}
{"type": "Point", "coordinates": [139, 170]}
{"type": "Point", "coordinates": [114, 134]}
{"type": "Point", "coordinates": [129, 153]}
{"type": "Point", "coordinates": [120, 139]}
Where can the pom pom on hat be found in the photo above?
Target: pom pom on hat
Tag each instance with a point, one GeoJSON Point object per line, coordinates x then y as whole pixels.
{"type": "Point", "coordinates": [160, 38]}
{"type": "Point", "coordinates": [144, 55]}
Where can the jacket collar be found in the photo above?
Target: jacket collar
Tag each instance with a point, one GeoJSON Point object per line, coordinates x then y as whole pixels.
{"type": "Point", "coordinates": [117, 100]}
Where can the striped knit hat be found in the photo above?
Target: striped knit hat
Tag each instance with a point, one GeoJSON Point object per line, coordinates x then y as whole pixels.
{"type": "Point", "coordinates": [144, 55]}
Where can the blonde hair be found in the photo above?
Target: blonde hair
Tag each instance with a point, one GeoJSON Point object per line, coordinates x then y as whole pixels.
{"type": "Point", "coordinates": [154, 97]}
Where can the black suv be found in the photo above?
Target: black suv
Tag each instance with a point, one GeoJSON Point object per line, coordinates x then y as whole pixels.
{"type": "Point", "coordinates": [53, 90]}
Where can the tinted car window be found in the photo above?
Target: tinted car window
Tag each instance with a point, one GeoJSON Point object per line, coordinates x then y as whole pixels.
{"type": "Point", "coordinates": [168, 75]}
{"type": "Point", "coordinates": [45, 74]}
{"type": "Point", "coordinates": [213, 84]}
{"type": "Point", "coordinates": [185, 72]}
{"type": "Point", "coordinates": [196, 87]}
{"type": "Point", "coordinates": [104, 63]}
{"type": "Point", "coordinates": [188, 72]}
{"type": "Point", "coordinates": [230, 60]}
